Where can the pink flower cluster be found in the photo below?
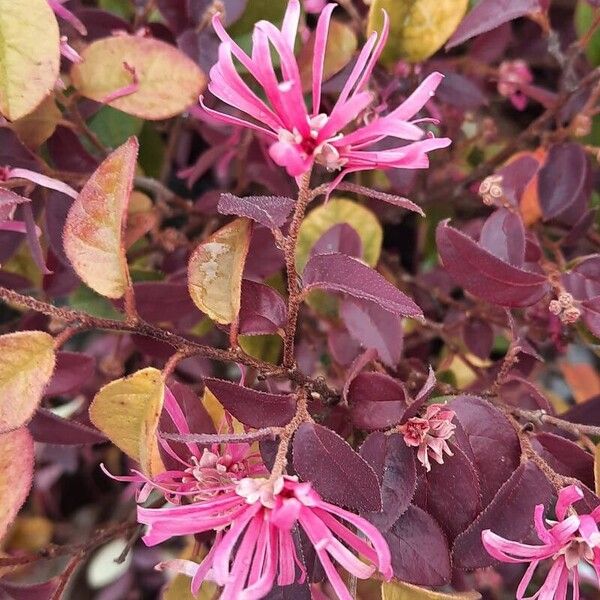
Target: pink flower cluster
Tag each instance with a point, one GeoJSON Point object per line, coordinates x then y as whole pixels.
{"type": "Point", "coordinates": [429, 434]}
{"type": "Point", "coordinates": [513, 76]}
{"type": "Point", "coordinates": [255, 519]}
{"type": "Point", "coordinates": [298, 137]}
{"type": "Point", "coordinates": [571, 541]}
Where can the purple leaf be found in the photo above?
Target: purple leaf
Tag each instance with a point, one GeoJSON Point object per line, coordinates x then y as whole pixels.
{"type": "Point", "coordinates": [516, 175]}
{"type": "Point", "coordinates": [460, 91]}
{"type": "Point", "coordinates": [510, 515]}
{"type": "Point", "coordinates": [48, 428]}
{"type": "Point", "coordinates": [72, 371]}
{"type": "Point", "coordinates": [342, 346]}
{"type": "Point", "coordinates": [36, 591]}
{"type": "Point", "coordinates": [263, 309]}
{"type": "Point", "coordinates": [337, 472]}
{"type": "Point", "coordinates": [270, 211]}
{"type": "Point", "coordinates": [340, 273]}
{"type": "Point", "coordinates": [520, 392]}
{"type": "Point", "coordinates": [566, 457]}
{"type": "Point", "coordinates": [251, 407]}
{"type": "Point", "coordinates": [478, 336]}
{"type": "Point", "coordinates": [564, 183]}
{"type": "Point", "coordinates": [584, 280]}
{"type": "Point", "coordinates": [484, 275]}
{"type": "Point", "coordinates": [488, 15]}
{"type": "Point", "coordinates": [340, 238]}
{"type": "Point", "coordinates": [377, 195]}
{"type": "Point", "coordinates": [374, 328]}
{"type": "Point", "coordinates": [420, 399]}
{"type": "Point", "coordinates": [503, 235]}
{"type": "Point", "coordinates": [377, 401]}
{"type": "Point", "coordinates": [452, 491]}
{"type": "Point", "coordinates": [494, 442]}
{"type": "Point", "coordinates": [419, 549]}
{"type": "Point", "coordinates": [359, 363]}
{"type": "Point", "coordinates": [164, 301]}
{"type": "Point", "coordinates": [394, 463]}
{"type": "Point", "coordinates": [264, 257]}
{"type": "Point", "coordinates": [587, 413]}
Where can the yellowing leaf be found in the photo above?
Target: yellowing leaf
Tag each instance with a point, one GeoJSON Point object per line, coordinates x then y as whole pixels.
{"type": "Point", "coordinates": [263, 347]}
{"type": "Point", "coordinates": [127, 412]}
{"type": "Point", "coordinates": [29, 55]}
{"type": "Point", "coordinates": [341, 45]}
{"type": "Point", "coordinates": [583, 379]}
{"type": "Point", "coordinates": [26, 367]}
{"type": "Point", "coordinates": [217, 413]}
{"type": "Point", "coordinates": [141, 218]}
{"type": "Point", "coordinates": [398, 590]}
{"type": "Point", "coordinates": [340, 210]}
{"type": "Point", "coordinates": [93, 234]}
{"type": "Point", "coordinates": [418, 28]}
{"type": "Point", "coordinates": [30, 534]}
{"type": "Point", "coordinates": [162, 81]}
{"type": "Point", "coordinates": [16, 472]}
{"type": "Point", "coordinates": [35, 128]}
{"type": "Point", "coordinates": [215, 271]}
{"type": "Point", "coordinates": [179, 587]}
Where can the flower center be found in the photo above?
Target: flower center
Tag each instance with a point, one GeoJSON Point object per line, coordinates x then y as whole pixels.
{"type": "Point", "coordinates": [576, 551]}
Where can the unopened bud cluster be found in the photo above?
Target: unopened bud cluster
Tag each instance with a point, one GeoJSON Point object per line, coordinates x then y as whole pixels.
{"type": "Point", "coordinates": [491, 190]}
{"type": "Point", "coordinates": [564, 308]}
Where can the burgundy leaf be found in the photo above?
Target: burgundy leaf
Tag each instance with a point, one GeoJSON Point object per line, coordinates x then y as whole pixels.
{"type": "Point", "coordinates": [394, 463]}
{"type": "Point", "coordinates": [374, 328]}
{"type": "Point", "coordinates": [488, 15]}
{"type": "Point", "coordinates": [584, 280]}
{"type": "Point", "coordinates": [460, 91]}
{"type": "Point", "coordinates": [453, 493]}
{"type": "Point", "coordinates": [35, 591]}
{"type": "Point", "coordinates": [587, 413]}
{"type": "Point", "coordinates": [566, 457]}
{"type": "Point", "coordinates": [270, 211]}
{"type": "Point", "coordinates": [263, 309]}
{"type": "Point", "coordinates": [342, 346]}
{"type": "Point", "coordinates": [516, 175]}
{"type": "Point", "coordinates": [509, 515]}
{"type": "Point", "coordinates": [72, 371]}
{"type": "Point", "coordinates": [48, 428]}
{"type": "Point", "coordinates": [264, 257]}
{"type": "Point", "coordinates": [564, 183]}
{"type": "Point", "coordinates": [478, 336]}
{"type": "Point", "coordinates": [377, 195]}
{"type": "Point", "coordinates": [340, 238]}
{"type": "Point", "coordinates": [164, 301]}
{"type": "Point", "coordinates": [341, 273]}
{"type": "Point", "coordinates": [520, 392]}
{"type": "Point", "coordinates": [338, 473]}
{"type": "Point", "coordinates": [359, 363]}
{"type": "Point", "coordinates": [484, 275]}
{"type": "Point", "coordinates": [377, 401]}
{"type": "Point", "coordinates": [251, 407]}
{"type": "Point", "coordinates": [591, 315]}
{"type": "Point", "coordinates": [503, 235]}
{"type": "Point", "coordinates": [420, 399]}
{"type": "Point", "coordinates": [419, 549]}
{"type": "Point", "coordinates": [493, 439]}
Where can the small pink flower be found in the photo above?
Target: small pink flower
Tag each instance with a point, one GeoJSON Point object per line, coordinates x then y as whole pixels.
{"type": "Point", "coordinates": [569, 542]}
{"type": "Point", "coordinates": [300, 137]}
{"type": "Point", "coordinates": [254, 547]}
{"type": "Point", "coordinates": [512, 77]}
{"type": "Point", "coordinates": [65, 14]}
{"type": "Point", "coordinates": [314, 6]}
{"type": "Point", "coordinates": [429, 433]}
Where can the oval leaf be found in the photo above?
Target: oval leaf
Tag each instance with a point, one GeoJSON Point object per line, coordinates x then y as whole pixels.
{"type": "Point", "coordinates": [26, 368]}
{"type": "Point", "coordinates": [251, 407]}
{"type": "Point", "coordinates": [215, 271]}
{"type": "Point", "coordinates": [93, 234]}
{"type": "Point", "coordinates": [270, 211]}
{"type": "Point", "coordinates": [16, 472]}
{"type": "Point", "coordinates": [141, 76]}
{"type": "Point", "coordinates": [484, 275]}
{"type": "Point", "coordinates": [29, 55]}
{"type": "Point", "coordinates": [263, 309]}
{"type": "Point", "coordinates": [418, 29]}
{"type": "Point", "coordinates": [49, 428]}
{"type": "Point", "coordinates": [341, 273]}
{"type": "Point", "coordinates": [127, 411]}
{"type": "Point", "coordinates": [337, 472]}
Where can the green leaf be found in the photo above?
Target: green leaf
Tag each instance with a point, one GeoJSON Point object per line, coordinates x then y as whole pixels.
{"type": "Point", "coordinates": [584, 16]}
{"type": "Point", "coordinates": [113, 126]}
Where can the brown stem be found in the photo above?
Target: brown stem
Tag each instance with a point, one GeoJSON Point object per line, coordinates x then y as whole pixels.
{"type": "Point", "coordinates": [294, 289]}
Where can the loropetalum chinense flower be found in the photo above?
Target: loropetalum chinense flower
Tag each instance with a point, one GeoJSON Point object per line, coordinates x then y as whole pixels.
{"type": "Point", "coordinates": [430, 434]}
{"type": "Point", "coordinates": [255, 519]}
{"type": "Point", "coordinates": [513, 76]}
{"type": "Point", "coordinates": [569, 542]}
{"type": "Point", "coordinates": [300, 137]}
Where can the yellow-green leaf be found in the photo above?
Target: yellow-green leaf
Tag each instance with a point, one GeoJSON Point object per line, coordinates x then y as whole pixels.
{"type": "Point", "coordinates": [127, 411]}
{"type": "Point", "coordinates": [94, 229]}
{"type": "Point", "coordinates": [25, 369]}
{"type": "Point", "coordinates": [397, 590]}
{"type": "Point", "coordinates": [263, 347]}
{"type": "Point", "coordinates": [165, 81]}
{"type": "Point", "coordinates": [217, 413]}
{"type": "Point", "coordinates": [29, 55]}
{"type": "Point", "coordinates": [16, 472]}
{"type": "Point", "coordinates": [340, 210]}
{"type": "Point", "coordinates": [341, 46]}
{"type": "Point", "coordinates": [418, 28]}
{"type": "Point", "coordinates": [36, 127]}
{"type": "Point", "coordinates": [215, 271]}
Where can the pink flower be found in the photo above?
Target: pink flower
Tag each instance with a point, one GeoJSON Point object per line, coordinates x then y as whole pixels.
{"type": "Point", "coordinates": [512, 77]}
{"type": "Point", "coordinates": [254, 547]}
{"type": "Point", "coordinates": [430, 433]}
{"type": "Point", "coordinates": [300, 137]}
{"type": "Point", "coordinates": [314, 6]}
{"type": "Point", "coordinates": [570, 541]}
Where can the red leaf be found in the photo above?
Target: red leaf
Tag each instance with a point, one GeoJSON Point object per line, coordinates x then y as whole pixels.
{"type": "Point", "coordinates": [262, 311]}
